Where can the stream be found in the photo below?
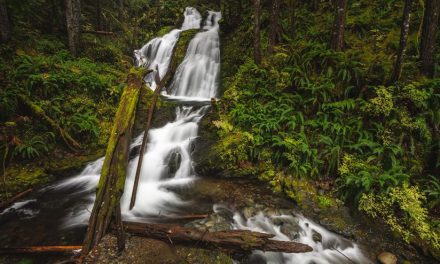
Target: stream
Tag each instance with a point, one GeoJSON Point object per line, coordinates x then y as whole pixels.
{"type": "Point", "coordinates": [58, 214]}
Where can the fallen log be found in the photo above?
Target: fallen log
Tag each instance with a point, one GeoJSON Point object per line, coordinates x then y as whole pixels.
{"type": "Point", "coordinates": [42, 249]}
{"type": "Point", "coordinates": [172, 217]}
{"type": "Point", "coordinates": [40, 113]}
{"type": "Point", "coordinates": [239, 241]}
{"type": "Point", "coordinates": [7, 203]}
{"type": "Point", "coordinates": [111, 183]}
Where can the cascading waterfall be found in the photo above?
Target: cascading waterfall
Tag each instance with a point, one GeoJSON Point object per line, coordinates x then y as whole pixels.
{"type": "Point", "coordinates": [198, 75]}
{"type": "Point", "coordinates": [168, 163]}
{"type": "Point", "coordinates": [156, 54]}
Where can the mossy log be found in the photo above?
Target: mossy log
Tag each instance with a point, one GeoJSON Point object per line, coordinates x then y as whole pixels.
{"type": "Point", "coordinates": [40, 113]}
{"type": "Point", "coordinates": [233, 241]}
{"type": "Point", "coordinates": [112, 180]}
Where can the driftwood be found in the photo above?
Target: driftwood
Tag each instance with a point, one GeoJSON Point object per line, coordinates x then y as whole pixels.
{"type": "Point", "coordinates": [39, 112]}
{"type": "Point", "coordinates": [111, 183]}
{"type": "Point", "coordinates": [235, 241]}
{"type": "Point", "coordinates": [42, 249]}
{"type": "Point", "coordinates": [7, 203]}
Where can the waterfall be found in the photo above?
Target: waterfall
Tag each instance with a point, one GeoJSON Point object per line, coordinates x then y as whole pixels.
{"type": "Point", "coordinates": [157, 52]}
{"type": "Point", "coordinates": [198, 75]}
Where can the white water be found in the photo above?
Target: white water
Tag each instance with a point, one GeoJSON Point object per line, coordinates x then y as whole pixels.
{"type": "Point", "coordinates": [332, 249]}
{"type": "Point", "coordinates": [198, 75]}
{"type": "Point", "coordinates": [196, 80]}
{"type": "Point", "coordinates": [156, 54]}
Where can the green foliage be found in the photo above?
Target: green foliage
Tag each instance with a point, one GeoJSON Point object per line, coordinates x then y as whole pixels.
{"type": "Point", "coordinates": [34, 146]}
{"type": "Point", "coordinates": [402, 209]}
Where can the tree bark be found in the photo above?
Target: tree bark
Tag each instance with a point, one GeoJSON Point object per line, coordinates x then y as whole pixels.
{"type": "Point", "coordinates": [112, 181]}
{"type": "Point", "coordinates": [337, 40]}
{"type": "Point", "coordinates": [274, 27]}
{"type": "Point", "coordinates": [403, 40]}
{"type": "Point", "coordinates": [4, 22]}
{"type": "Point", "coordinates": [73, 16]}
{"type": "Point", "coordinates": [428, 41]}
{"type": "Point", "coordinates": [236, 241]}
{"type": "Point", "coordinates": [257, 44]}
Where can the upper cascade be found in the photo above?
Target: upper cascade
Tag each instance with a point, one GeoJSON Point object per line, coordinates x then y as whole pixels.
{"type": "Point", "coordinates": [198, 75]}
{"type": "Point", "coordinates": [156, 54]}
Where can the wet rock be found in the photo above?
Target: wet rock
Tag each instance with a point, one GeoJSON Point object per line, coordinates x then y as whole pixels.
{"type": "Point", "coordinates": [290, 230]}
{"type": "Point", "coordinates": [387, 258]}
{"type": "Point", "coordinates": [174, 162]}
{"type": "Point", "coordinates": [317, 237]}
{"type": "Point", "coordinates": [248, 212]}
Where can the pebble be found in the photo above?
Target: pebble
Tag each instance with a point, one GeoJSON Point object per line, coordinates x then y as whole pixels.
{"type": "Point", "coordinates": [387, 258]}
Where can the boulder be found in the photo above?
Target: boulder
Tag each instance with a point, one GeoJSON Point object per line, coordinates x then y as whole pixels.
{"type": "Point", "coordinates": [387, 258]}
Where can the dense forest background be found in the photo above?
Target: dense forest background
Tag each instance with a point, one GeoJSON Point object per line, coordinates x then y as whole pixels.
{"type": "Point", "coordinates": [340, 98]}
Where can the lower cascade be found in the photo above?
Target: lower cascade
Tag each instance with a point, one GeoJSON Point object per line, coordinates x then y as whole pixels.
{"type": "Point", "coordinates": [168, 165]}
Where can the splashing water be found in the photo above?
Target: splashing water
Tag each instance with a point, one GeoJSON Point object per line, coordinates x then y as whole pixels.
{"type": "Point", "coordinates": [198, 75]}
{"type": "Point", "coordinates": [156, 54]}
{"type": "Point", "coordinates": [327, 247]}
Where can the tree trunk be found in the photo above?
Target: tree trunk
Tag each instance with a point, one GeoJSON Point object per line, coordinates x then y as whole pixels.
{"type": "Point", "coordinates": [292, 10]}
{"type": "Point", "coordinates": [98, 15]}
{"type": "Point", "coordinates": [337, 40]}
{"type": "Point", "coordinates": [257, 44]}
{"type": "Point", "coordinates": [403, 40]}
{"type": "Point", "coordinates": [235, 241]}
{"type": "Point", "coordinates": [4, 22]}
{"type": "Point", "coordinates": [112, 181]}
{"type": "Point", "coordinates": [73, 16]}
{"type": "Point", "coordinates": [429, 32]}
{"type": "Point", "coordinates": [274, 27]}
{"type": "Point", "coordinates": [121, 10]}
{"type": "Point", "coordinates": [158, 15]}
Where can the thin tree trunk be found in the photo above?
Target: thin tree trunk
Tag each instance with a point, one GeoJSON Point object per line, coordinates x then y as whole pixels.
{"type": "Point", "coordinates": [73, 16]}
{"type": "Point", "coordinates": [403, 40]}
{"type": "Point", "coordinates": [337, 40]}
{"type": "Point", "coordinates": [111, 183]}
{"type": "Point", "coordinates": [98, 15]}
{"type": "Point", "coordinates": [257, 44]}
{"type": "Point", "coordinates": [158, 15]}
{"type": "Point", "coordinates": [121, 10]}
{"type": "Point", "coordinates": [274, 28]}
{"type": "Point", "coordinates": [429, 32]}
{"type": "Point", "coordinates": [4, 22]}
{"type": "Point", "coordinates": [292, 10]}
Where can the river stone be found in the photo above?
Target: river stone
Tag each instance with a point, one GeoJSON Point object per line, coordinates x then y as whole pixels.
{"type": "Point", "coordinates": [248, 212]}
{"type": "Point", "coordinates": [317, 237]}
{"type": "Point", "coordinates": [387, 258]}
{"type": "Point", "coordinates": [174, 161]}
{"type": "Point", "coordinates": [291, 231]}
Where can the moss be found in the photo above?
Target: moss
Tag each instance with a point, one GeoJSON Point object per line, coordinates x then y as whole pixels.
{"type": "Point", "coordinates": [21, 178]}
{"type": "Point", "coordinates": [193, 255]}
